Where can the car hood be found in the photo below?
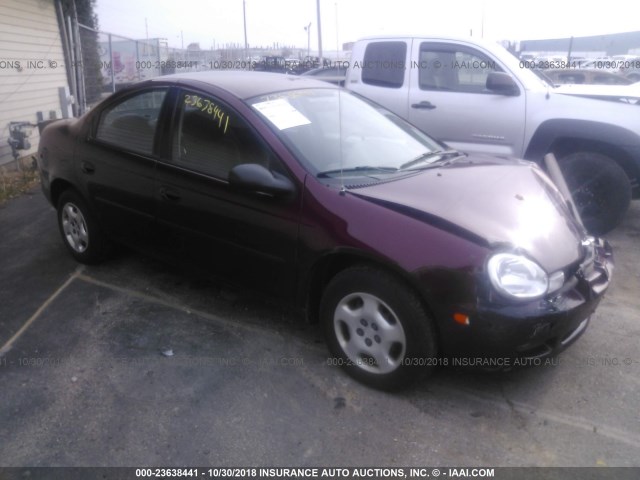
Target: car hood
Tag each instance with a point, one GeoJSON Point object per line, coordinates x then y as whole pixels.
{"type": "Point", "coordinates": [501, 203]}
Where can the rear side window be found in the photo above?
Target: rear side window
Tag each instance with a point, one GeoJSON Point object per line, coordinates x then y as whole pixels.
{"type": "Point", "coordinates": [131, 124]}
{"type": "Point", "coordinates": [384, 64]}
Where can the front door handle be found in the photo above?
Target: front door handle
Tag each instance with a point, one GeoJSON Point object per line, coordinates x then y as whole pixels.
{"type": "Point", "coordinates": [87, 167]}
{"type": "Point", "coordinates": [424, 105]}
{"type": "Point", "coordinates": [169, 194]}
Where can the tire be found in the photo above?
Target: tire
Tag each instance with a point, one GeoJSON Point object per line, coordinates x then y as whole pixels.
{"type": "Point", "coordinates": [377, 329]}
{"type": "Point", "coordinates": [600, 189]}
{"type": "Point", "coordinates": [80, 232]}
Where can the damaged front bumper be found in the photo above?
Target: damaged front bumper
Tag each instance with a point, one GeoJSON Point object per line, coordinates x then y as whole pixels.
{"type": "Point", "coordinates": [540, 328]}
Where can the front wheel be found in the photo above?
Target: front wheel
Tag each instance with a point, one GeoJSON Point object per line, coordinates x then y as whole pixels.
{"type": "Point", "coordinates": [600, 189]}
{"type": "Point", "coordinates": [80, 232]}
{"type": "Point", "coordinates": [377, 329]}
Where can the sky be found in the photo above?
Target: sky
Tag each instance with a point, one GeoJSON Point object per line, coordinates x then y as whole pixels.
{"type": "Point", "coordinates": [217, 22]}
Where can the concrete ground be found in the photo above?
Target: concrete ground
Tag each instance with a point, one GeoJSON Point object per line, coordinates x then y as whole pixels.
{"type": "Point", "coordinates": [134, 363]}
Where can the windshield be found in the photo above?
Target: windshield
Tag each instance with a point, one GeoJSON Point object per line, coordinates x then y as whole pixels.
{"type": "Point", "coordinates": [333, 130]}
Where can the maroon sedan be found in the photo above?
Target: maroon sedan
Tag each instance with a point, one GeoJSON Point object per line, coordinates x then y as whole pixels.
{"type": "Point", "coordinates": [408, 253]}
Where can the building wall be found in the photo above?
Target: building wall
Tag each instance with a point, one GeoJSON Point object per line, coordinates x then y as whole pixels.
{"type": "Point", "coordinates": [31, 67]}
{"type": "Point", "coordinates": [612, 44]}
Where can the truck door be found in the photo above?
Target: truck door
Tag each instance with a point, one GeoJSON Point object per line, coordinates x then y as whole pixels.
{"type": "Point", "coordinates": [449, 100]}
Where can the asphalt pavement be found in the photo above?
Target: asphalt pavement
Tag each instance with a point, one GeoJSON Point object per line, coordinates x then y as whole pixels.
{"type": "Point", "coordinates": [134, 363]}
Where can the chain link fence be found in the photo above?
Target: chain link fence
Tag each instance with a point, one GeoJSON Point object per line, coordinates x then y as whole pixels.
{"type": "Point", "coordinates": [119, 61]}
{"type": "Point", "coordinates": [111, 62]}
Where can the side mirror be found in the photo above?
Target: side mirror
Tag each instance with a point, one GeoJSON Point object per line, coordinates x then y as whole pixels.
{"type": "Point", "coordinates": [251, 177]}
{"type": "Point", "coordinates": [502, 84]}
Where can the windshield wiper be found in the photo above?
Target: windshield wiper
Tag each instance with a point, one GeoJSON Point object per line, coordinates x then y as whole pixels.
{"type": "Point", "coordinates": [328, 173]}
{"type": "Point", "coordinates": [427, 156]}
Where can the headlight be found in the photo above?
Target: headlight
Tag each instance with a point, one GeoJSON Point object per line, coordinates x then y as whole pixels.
{"type": "Point", "coordinates": [517, 277]}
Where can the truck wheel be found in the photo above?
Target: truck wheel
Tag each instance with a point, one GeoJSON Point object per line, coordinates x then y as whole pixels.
{"type": "Point", "coordinates": [80, 232]}
{"type": "Point", "coordinates": [377, 329]}
{"type": "Point", "coordinates": [600, 188]}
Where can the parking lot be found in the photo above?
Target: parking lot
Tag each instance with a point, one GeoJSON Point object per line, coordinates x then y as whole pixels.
{"type": "Point", "coordinates": [135, 363]}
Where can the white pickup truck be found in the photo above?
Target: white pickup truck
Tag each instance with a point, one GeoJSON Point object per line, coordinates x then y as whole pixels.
{"type": "Point", "coordinates": [476, 96]}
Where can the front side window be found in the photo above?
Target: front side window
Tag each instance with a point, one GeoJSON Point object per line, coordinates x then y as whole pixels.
{"type": "Point", "coordinates": [131, 124]}
{"type": "Point", "coordinates": [454, 69]}
{"type": "Point", "coordinates": [210, 138]}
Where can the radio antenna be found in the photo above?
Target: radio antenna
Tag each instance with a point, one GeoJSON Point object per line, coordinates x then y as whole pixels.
{"type": "Point", "coordinates": [342, 188]}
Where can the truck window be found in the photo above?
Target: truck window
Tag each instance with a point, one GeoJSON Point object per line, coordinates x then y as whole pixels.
{"type": "Point", "coordinates": [384, 64]}
{"type": "Point", "coordinates": [453, 68]}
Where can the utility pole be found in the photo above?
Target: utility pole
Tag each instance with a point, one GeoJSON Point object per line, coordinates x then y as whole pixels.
{"type": "Point", "coordinates": [308, 29]}
{"type": "Point", "coordinates": [319, 33]}
{"type": "Point", "coordinates": [244, 16]}
{"type": "Point", "coordinates": [337, 42]}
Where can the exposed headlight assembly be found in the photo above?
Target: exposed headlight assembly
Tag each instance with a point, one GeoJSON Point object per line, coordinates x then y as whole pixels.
{"type": "Point", "coordinates": [517, 277]}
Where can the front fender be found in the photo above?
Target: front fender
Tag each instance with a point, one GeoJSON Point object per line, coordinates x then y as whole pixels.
{"type": "Point", "coordinates": [551, 132]}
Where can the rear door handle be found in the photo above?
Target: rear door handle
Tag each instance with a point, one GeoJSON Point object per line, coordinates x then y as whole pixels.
{"type": "Point", "coordinates": [424, 105]}
{"type": "Point", "coordinates": [87, 167]}
{"type": "Point", "coordinates": [169, 194]}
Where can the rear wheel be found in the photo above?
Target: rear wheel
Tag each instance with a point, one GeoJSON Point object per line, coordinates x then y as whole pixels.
{"type": "Point", "coordinates": [377, 329]}
{"type": "Point", "coordinates": [600, 189]}
{"type": "Point", "coordinates": [80, 232]}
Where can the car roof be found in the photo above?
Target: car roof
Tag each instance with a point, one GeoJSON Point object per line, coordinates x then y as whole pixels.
{"type": "Point", "coordinates": [582, 70]}
{"type": "Point", "coordinates": [421, 36]}
{"type": "Point", "coordinates": [313, 71]}
{"type": "Point", "coordinates": [588, 73]}
{"type": "Point", "coordinates": [246, 84]}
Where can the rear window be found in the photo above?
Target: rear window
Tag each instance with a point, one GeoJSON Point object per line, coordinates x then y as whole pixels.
{"type": "Point", "coordinates": [384, 64]}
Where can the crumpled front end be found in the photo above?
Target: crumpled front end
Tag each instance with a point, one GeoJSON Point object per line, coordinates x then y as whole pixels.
{"type": "Point", "coordinates": [536, 329]}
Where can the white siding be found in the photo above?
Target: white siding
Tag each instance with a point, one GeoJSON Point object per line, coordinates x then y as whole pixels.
{"type": "Point", "coordinates": [29, 41]}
